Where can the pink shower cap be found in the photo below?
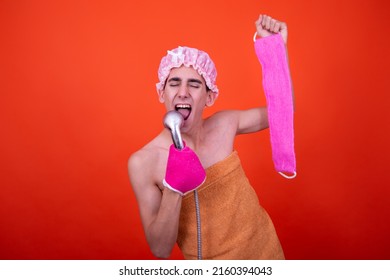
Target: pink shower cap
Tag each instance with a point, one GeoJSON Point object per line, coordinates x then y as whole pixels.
{"type": "Point", "coordinates": [186, 56]}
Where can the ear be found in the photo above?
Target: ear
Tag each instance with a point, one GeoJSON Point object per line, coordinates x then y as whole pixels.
{"type": "Point", "coordinates": [211, 97]}
{"type": "Point", "coordinates": [161, 95]}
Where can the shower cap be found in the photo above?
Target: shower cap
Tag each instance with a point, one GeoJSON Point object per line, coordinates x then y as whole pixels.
{"type": "Point", "coordinates": [186, 56]}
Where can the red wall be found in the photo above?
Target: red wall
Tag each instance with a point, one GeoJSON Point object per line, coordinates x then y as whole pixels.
{"type": "Point", "coordinates": [77, 97]}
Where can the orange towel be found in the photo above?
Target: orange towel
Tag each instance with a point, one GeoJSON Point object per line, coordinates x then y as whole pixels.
{"type": "Point", "coordinates": [234, 225]}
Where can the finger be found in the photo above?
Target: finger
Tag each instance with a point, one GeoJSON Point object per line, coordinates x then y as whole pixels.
{"type": "Point", "coordinates": [277, 26]}
{"type": "Point", "coordinates": [283, 26]}
{"type": "Point", "coordinates": [259, 24]}
{"type": "Point", "coordinates": [272, 25]}
{"type": "Point", "coordinates": [263, 20]}
{"type": "Point", "coordinates": [268, 23]}
{"type": "Point", "coordinates": [258, 21]}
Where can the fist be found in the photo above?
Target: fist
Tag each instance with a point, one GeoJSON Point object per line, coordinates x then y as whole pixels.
{"type": "Point", "coordinates": [184, 171]}
{"type": "Point", "coordinates": [267, 26]}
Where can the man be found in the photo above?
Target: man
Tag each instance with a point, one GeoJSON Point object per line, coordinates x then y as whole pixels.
{"type": "Point", "coordinates": [234, 225]}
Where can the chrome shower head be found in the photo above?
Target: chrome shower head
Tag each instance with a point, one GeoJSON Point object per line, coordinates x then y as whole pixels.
{"type": "Point", "coordinates": [173, 120]}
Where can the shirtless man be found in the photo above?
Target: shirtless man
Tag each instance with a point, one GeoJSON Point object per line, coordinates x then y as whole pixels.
{"type": "Point", "coordinates": [211, 139]}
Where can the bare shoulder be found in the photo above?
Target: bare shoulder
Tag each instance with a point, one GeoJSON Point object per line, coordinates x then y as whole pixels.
{"type": "Point", "coordinates": [225, 118]}
{"type": "Point", "coordinates": [146, 166]}
{"type": "Point", "coordinates": [135, 165]}
{"type": "Point", "coordinates": [140, 158]}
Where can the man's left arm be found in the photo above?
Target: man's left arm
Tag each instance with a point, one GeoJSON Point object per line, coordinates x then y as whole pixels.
{"type": "Point", "coordinates": [256, 119]}
{"type": "Point", "coordinates": [252, 120]}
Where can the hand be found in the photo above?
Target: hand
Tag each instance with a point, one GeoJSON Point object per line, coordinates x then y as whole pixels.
{"type": "Point", "coordinates": [184, 171]}
{"type": "Point", "coordinates": [267, 26]}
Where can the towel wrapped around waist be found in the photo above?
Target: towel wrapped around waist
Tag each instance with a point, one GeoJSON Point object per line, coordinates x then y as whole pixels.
{"type": "Point", "coordinates": [233, 223]}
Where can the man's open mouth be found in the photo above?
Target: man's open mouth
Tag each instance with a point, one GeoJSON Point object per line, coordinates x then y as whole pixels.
{"type": "Point", "coordinates": [184, 110]}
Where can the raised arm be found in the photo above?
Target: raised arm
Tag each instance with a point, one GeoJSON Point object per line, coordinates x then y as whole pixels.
{"type": "Point", "coordinates": [256, 119]}
{"type": "Point", "coordinates": [272, 54]}
{"type": "Point", "coordinates": [267, 26]}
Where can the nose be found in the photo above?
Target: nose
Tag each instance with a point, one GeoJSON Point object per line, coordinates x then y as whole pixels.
{"type": "Point", "coordinates": [183, 92]}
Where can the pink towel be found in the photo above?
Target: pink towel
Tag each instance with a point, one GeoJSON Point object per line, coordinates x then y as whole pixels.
{"type": "Point", "coordinates": [271, 53]}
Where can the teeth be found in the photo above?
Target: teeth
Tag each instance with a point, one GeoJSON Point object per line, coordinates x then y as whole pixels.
{"type": "Point", "coordinates": [183, 106]}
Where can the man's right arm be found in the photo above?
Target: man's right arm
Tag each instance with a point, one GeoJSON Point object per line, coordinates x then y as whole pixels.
{"type": "Point", "coordinates": [160, 211]}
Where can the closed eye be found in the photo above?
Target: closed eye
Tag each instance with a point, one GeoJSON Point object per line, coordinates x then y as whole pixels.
{"type": "Point", "coordinates": [195, 83]}
{"type": "Point", "coordinates": [174, 82]}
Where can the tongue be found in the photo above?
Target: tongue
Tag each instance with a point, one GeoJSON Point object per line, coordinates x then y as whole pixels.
{"type": "Point", "coordinates": [184, 112]}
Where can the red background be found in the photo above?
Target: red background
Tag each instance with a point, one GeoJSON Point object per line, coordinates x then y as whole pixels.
{"type": "Point", "coordinates": [77, 97]}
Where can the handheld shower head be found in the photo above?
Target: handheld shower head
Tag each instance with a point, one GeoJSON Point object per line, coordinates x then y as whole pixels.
{"type": "Point", "coordinates": [173, 120]}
